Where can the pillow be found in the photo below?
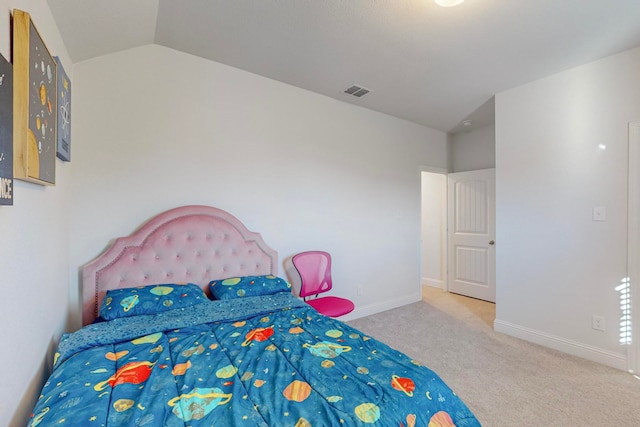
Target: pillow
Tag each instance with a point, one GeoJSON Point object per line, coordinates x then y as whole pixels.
{"type": "Point", "coordinates": [150, 299]}
{"type": "Point", "coordinates": [248, 286]}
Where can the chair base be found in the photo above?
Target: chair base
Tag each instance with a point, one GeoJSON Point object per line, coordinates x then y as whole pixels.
{"type": "Point", "coordinates": [332, 306]}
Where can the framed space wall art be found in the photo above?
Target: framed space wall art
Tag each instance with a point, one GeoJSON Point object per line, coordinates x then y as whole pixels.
{"type": "Point", "coordinates": [63, 131]}
{"type": "Point", "coordinates": [6, 132]}
{"type": "Point", "coordinates": [35, 107]}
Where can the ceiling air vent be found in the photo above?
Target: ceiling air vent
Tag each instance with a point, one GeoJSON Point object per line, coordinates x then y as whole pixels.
{"type": "Point", "coordinates": [357, 91]}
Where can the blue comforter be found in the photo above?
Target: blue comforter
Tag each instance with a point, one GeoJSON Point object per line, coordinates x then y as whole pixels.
{"type": "Point", "coordinates": [256, 361]}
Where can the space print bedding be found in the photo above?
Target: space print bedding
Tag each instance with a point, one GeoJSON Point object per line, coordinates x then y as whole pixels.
{"type": "Point", "coordinates": [188, 324]}
{"type": "Point", "coordinates": [257, 361]}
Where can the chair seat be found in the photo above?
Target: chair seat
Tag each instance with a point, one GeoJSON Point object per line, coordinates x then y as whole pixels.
{"type": "Point", "coordinates": [332, 306]}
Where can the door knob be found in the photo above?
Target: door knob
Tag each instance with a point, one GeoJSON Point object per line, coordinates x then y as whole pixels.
{"type": "Point", "coordinates": [492, 242]}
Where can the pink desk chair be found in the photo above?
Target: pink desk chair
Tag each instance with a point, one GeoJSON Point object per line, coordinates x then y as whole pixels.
{"type": "Point", "coordinates": [314, 268]}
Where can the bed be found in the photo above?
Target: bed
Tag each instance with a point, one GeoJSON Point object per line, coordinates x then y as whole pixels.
{"type": "Point", "coordinates": [187, 323]}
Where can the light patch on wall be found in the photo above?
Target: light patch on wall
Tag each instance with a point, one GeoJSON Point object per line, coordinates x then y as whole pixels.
{"type": "Point", "coordinates": [625, 308]}
{"type": "Point", "coordinates": [448, 3]}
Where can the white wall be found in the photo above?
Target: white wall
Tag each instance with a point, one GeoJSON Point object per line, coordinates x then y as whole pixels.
{"type": "Point", "coordinates": [474, 150]}
{"type": "Point", "coordinates": [34, 258]}
{"type": "Point", "coordinates": [555, 266]}
{"type": "Point", "coordinates": [157, 128]}
{"type": "Point", "coordinates": [434, 231]}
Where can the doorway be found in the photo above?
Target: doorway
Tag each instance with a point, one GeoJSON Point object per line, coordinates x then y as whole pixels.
{"type": "Point", "coordinates": [433, 238]}
{"type": "Point", "coordinates": [449, 261]}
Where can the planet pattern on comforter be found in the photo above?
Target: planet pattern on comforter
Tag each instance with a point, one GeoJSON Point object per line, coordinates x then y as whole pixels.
{"type": "Point", "coordinates": [264, 361]}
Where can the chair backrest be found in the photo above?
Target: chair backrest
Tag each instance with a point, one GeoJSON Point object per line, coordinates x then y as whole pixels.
{"type": "Point", "coordinates": [314, 268]}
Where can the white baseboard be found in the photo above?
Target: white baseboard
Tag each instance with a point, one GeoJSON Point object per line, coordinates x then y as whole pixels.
{"type": "Point", "coordinates": [436, 283]}
{"type": "Point", "coordinates": [595, 354]}
{"type": "Point", "coordinates": [370, 309]}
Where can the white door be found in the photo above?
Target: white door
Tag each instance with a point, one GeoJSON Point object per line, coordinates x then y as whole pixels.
{"type": "Point", "coordinates": [471, 234]}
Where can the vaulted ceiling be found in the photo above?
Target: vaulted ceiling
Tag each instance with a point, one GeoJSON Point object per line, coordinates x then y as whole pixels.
{"type": "Point", "coordinates": [431, 65]}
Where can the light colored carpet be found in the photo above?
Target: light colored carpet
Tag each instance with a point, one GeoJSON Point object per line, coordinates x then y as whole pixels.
{"type": "Point", "coordinates": [505, 381]}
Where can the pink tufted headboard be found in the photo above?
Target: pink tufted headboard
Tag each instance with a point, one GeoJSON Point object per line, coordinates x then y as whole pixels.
{"type": "Point", "coordinates": [189, 244]}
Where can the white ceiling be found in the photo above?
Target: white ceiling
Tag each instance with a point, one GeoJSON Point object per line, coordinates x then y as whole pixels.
{"type": "Point", "coordinates": [424, 63]}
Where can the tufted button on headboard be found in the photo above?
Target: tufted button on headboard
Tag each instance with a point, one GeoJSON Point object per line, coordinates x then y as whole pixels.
{"type": "Point", "coordinates": [189, 244]}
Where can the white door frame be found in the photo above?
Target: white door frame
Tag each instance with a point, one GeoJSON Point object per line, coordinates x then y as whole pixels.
{"type": "Point", "coordinates": [633, 242]}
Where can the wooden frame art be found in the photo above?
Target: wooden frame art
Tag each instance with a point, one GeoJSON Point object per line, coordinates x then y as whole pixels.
{"type": "Point", "coordinates": [6, 132]}
{"type": "Point", "coordinates": [35, 106]}
{"type": "Point", "coordinates": [63, 128]}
